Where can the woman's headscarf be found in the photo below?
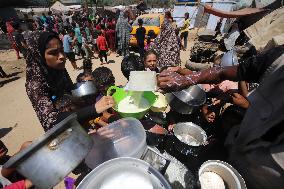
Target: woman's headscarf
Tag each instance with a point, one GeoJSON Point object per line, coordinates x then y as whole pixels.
{"type": "Point", "coordinates": [167, 46]}
{"type": "Point", "coordinates": [45, 86]}
{"type": "Point", "coordinates": [58, 81]}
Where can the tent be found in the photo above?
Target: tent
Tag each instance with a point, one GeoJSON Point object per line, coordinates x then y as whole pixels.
{"type": "Point", "coordinates": [59, 7]}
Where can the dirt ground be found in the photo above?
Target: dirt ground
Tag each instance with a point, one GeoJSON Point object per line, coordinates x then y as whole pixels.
{"type": "Point", "coordinates": [19, 122]}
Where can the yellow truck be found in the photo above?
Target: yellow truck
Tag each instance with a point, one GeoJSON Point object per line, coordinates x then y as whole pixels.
{"type": "Point", "coordinates": [150, 22]}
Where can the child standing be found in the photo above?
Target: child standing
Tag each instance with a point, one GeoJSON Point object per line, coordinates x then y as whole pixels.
{"type": "Point", "coordinates": [102, 47]}
{"type": "Point", "coordinates": [67, 40]}
{"type": "Point", "coordinates": [140, 36]}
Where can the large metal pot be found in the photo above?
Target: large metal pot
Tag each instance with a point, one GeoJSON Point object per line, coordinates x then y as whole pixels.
{"type": "Point", "coordinates": [128, 140]}
{"type": "Point", "coordinates": [230, 176]}
{"type": "Point", "coordinates": [54, 155]}
{"type": "Point", "coordinates": [189, 146]}
{"type": "Point", "coordinates": [229, 59]}
{"type": "Point", "coordinates": [124, 173]}
{"type": "Point", "coordinates": [186, 100]}
{"type": "Point", "coordinates": [84, 89]}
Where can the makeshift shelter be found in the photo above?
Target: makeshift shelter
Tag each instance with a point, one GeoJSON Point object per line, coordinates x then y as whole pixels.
{"type": "Point", "coordinates": [269, 29]}
{"type": "Point", "coordinates": [58, 7]}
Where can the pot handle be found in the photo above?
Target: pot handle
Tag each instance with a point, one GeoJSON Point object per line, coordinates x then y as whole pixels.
{"type": "Point", "coordinates": [111, 89]}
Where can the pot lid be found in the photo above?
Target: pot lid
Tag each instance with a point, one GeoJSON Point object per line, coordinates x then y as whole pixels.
{"type": "Point", "coordinates": [124, 173]}
{"type": "Point", "coordinates": [59, 128]}
{"type": "Point", "coordinates": [193, 96]}
{"type": "Point", "coordinates": [128, 139]}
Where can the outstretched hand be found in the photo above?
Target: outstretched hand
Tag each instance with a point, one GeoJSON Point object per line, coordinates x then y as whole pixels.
{"type": "Point", "coordinates": [172, 81]}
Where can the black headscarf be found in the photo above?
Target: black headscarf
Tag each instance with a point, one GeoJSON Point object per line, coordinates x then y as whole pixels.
{"type": "Point", "coordinates": [58, 81]}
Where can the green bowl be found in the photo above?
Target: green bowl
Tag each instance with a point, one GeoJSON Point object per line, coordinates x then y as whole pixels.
{"type": "Point", "coordinates": [119, 94]}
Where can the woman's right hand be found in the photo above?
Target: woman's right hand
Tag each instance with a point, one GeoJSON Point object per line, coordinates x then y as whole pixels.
{"type": "Point", "coordinates": [104, 103]}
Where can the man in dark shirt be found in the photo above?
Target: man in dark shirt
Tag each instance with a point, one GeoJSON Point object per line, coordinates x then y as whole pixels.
{"type": "Point", "coordinates": [140, 37]}
{"type": "Point", "coordinates": [256, 146]}
{"type": "Point", "coordinates": [19, 39]}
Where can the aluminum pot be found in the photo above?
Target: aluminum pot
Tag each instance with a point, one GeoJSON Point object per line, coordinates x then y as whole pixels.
{"type": "Point", "coordinates": [54, 155]}
{"type": "Point", "coordinates": [230, 176]}
{"type": "Point", "coordinates": [229, 59]}
{"type": "Point", "coordinates": [188, 128]}
{"type": "Point", "coordinates": [185, 101]}
{"type": "Point", "coordinates": [156, 135]}
{"type": "Point", "coordinates": [124, 173]}
{"type": "Point", "coordinates": [84, 89]}
{"type": "Point", "coordinates": [128, 140]}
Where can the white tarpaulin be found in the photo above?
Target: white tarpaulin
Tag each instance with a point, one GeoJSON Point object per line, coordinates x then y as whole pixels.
{"type": "Point", "coordinates": [213, 20]}
{"type": "Point", "coordinates": [59, 7]}
{"type": "Point", "coordinates": [180, 10]}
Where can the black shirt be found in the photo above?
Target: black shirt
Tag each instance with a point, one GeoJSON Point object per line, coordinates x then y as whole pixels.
{"type": "Point", "coordinates": [252, 69]}
{"type": "Point", "coordinates": [140, 35]}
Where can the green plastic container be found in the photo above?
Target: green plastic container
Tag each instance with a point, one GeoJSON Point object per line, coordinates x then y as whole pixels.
{"type": "Point", "coordinates": [119, 94]}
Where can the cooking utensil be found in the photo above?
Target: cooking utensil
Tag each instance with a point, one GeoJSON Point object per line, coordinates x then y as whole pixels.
{"type": "Point", "coordinates": [156, 135]}
{"type": "Point", "coordinates": [229, 59]}
{"type": "Point", "coordinates": [128, 140]}
{"type": "Point", "coordinates": [124, 173]}
{"type": "Point", "coordinates": [186, 100]}
{"type": "Point", "coordinates": [160, 104]}
{"type": "Point", "coordinates": [54, 155]}
{"type": "Point", "coordinates": [119, 94]}
{"type": "Point", "coordinates": [230, 176]}
{"type": "Point", "coordinates": [194, 132]}
{"type": "Point", "coordinates": [84, 89]}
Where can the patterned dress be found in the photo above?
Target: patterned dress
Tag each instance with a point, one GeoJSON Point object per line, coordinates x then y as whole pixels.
{"type": "Point", "coordinates": [45, 87]}
{"type": "Point", "coordinates": [167, 47]}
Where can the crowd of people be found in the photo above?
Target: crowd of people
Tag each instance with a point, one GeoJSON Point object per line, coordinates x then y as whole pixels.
{"type": "Point", "coordinates": [246, 126]}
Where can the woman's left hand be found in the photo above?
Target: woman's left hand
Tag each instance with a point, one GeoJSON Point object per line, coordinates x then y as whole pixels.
{"type": "Point", "coordinates": [104, 103]}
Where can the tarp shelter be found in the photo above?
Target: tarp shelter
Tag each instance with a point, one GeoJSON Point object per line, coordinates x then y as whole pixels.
{"type": "Point", "coordinates": [195, 13]}
{"type": "Point", "coordinates": [213, 20]}
{"type": "Point", "coordinates": [59, 7]}
{"type": "Point", "coordinates": [270, 27]}
{"type": "Point", "coordinates": [180, 10]}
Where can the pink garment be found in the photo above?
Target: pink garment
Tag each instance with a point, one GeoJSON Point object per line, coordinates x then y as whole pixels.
{"type": "Point", "coordinates": [223, 86]}
{"type": "Point", "coordinates": [147, 46]}
{"type": "Point", "coordinates": [16, 185]}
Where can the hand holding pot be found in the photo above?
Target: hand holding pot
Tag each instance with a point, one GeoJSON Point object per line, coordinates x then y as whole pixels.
{"type": "Point", "coordinates": [104, 103]}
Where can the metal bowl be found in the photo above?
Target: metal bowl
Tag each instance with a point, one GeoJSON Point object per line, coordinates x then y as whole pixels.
{"type": "Point", "coordinates": [185, 101]}
{"type": "Point", "coordinates": [230, 176]}
{"type": "Point", "coordinates": [84, 89]}
{"type": "Point", "coordinates": [229, 59]}
{"type": "Point", "coordinates": [124, 173]}
{"type": "Point", "coordinates": [191, 129]}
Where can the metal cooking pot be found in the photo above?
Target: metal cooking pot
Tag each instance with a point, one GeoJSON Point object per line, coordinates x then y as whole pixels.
{"type": "Point", "coordinates": [186, 100]}
{"type": "Point", "coordinates": [84, 89]}
{"type": "Point", "coordinates": [229, 59]}
{"type": "Point", "coordinates": [193, 130]}
{"type": "Point", "coordinates": [156, 135]}
{"type": "Point", "coordinates": [230, 176]}
{"type": "Point", "coordinates": [128, 140]}
{"type": "Point", "coordinates": [124, 173]}
{"type": "Point", "coordinates": [54, 155]}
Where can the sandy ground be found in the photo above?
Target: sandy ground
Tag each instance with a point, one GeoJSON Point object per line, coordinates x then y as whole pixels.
{"type": "Point", "coordinates": [19, 122]}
